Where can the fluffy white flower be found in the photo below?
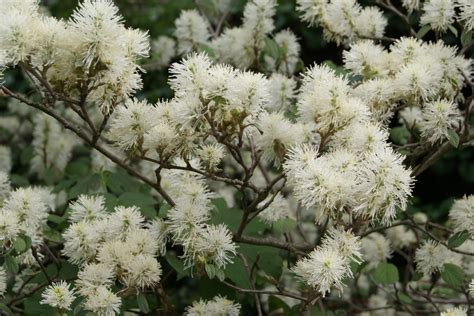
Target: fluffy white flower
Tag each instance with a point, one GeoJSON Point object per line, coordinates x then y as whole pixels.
{"type": "Point", "coordinates": [4, 186]}
{"type": "Point", "coordinates": [438, 118]}
{"type": "Point", "coordinates": [190, 75]}
{"type": "Point", "coordinates": [370, 23]}
{"type": "Point", "coordinates": [410, 116]}
{"type": "Point", "coordinates": [400, 236]}
{"type": "Point", "coordinates": [366, 59]}
{"type": "Point", "coordinates": [462, 214]}
{"type": "Point", "coordinates": [348, 245]}
{"type": "Point", "coordinates": [163, 50]}
{"type": "Point", "coordinates": [471, 288]}
{"type": "Point", "coordinates": [211, 155]}
{"type": "Point", "coordinates": [141, 241]}
{"type": "Point", "coordinates": [192, 30]}
{"type": "Point", "coordinates": [418, 80]}
{"type": "Point", "coordinates": [385, 185]}
{"type": "Point", "coordinates": [58, 295]}
{"type": "Point", "coordinates": [290, 51]}
{"type": "Point", "coordinates": [250, 93]}
{"type": "Point", "coordinates": [81, 242]}
{"type": "Point", "coordinates": [9, 228]}
{"type": "Point", "coordinates": [455, 311]}
{"type": "Point", "coordinates": [258, 18]}
{"type": "Point", "coordinates": [87, 208]}
{"type": "Point", "coordinates": [277, 134]}
{"type": "Point", "coordinates": [281, 92]}
{"type": "Point", "coordinates": [3, 281]}
{"type": "Point", "coordinates": [218, 306]}
{"type": "Point", "coordinates": [361, 138]}
{"type": "Point", "coordinates": [92, 276]}
{"type": "Point", "coordinates": [162, 138]}
{"type": "Point", "coordinates": [141, 271]}
{"type": "Point", "coordinates": [278, 209]}
{"type": "Point", "coordinates": [124, 220]}
{"type": "Point", "coordinates": [129, 124]}
{"type": "Point", "coordinates": [411, 5]}
{"type": "Point", "coordinates": [323, 269]}
{"type": "Point", "coordinates": [5, 159]}
{"type": "Point", "coordinates": [439, 14]}
{"type": "Point", "coordinates": [431, 257]}
{"type": "Point", "coordinates": [376, 248]}
{"type": "Point", "coordinates": [158, 229]}
{"type": "Point", "coordinates": [214, 244]}
{"type": "Point", "coordinates": [466, 14]}
{"type": "Point", "coordinates": [103, 302]}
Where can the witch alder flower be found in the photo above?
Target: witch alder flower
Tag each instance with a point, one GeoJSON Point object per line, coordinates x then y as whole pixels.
{"type": "Point", "coordinates": [52, 145]}
{"type": "Point", "coordinates": [361, 138]}
{"type": "Point", "coordinates": [323, 269]}
{"type": "Point", "coordinates": [5, 159]}
{"type": "Point", "coordinates": [380, 96]}
{"type": "Point", "coordinates": [366, 59]}
{"type": "Point", "coordinates": [81, 242]}
{"type": "Point", "coordinates": [87, 208]}
{"type": "Point", "coordinates": [455, 311]}
{"type": "Point", "coordinates": [418, 80]}
{"type": "Point", "coordinates": [163, 50]}
{"type": "Point", "coordinates": [9, 228]}
{"type": "Point", "coordinates": [466, 14]}
{"type": "Point", "coordinates": [348, 245]}
{"type": "Point", "coordinates": [192, 30]}
{"type": "Point", "coordinates": [411, 5]}
{"type": "Point", "coordinates": [290, 51]}
{"type": "Point", "coordinates": [215, 245]}
{"type": "Point", "coordinates": [375, 249]}
{"type": "Point", "coordinates": [141, 271]}
{"type": "Point", "coordinates": [161, 138]}
{"type": "Point", "coordinates": [406, 50]}
{"type": "Point", "coordinates": [4, 186]}
{"type": "Point", "coordinates": [92, 276]}
{"type": "Point", "coordinates": [278, 209]}
{"type": "Point", "coordinates": [124, 220]}
{"type": "Point", "coordinates": [129, 124]}
{"type": "Point", "coordinates": [58, 295]}
{"type": "Point", "coordinates": [400, 236]}
{"type": "Point", "coordinates": [282, 91]}
{"type": "Point", "coordinates": [439, 14]}
{"type": "Point", "coordinates": [258, 18]}
{"type": "Point", "coordinates": [141, 241]}
{"type": "Point", "coordinates": [462, 214]}
{"type": "Point", "coordinates": [277, 134]}
{"type": "Point", "coordinates": [438, 118]}
{"type": "Point", "coordinates": [385, 185]}
{"type": "Point", "coordinates": [410, 117]}
{"type": "Point", "coordinates": [216, 307]}
{"type": "Point", "coordinates": [370, 23]}
{"type": "Point", "coordinates": [103, 302]}
{"type": "Point", "coordinates": [189, 76]}
{"type": "Point", "coordinates": [431, 257]}
{"type": "Point", "coordinates": [471, 288]}
{"type": "Point", "coordinates": [159, 231]}
{"type": "Point", "coordinates": [3, 281]}
{"type": "Point", "coordinates": [211, 155]}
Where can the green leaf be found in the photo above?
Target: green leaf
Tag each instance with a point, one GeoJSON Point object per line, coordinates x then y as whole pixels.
{"type": "Point", "coordinates": [272, 49]}
{"type": "Point", "coordinates": [86, 185]}
{"type": "Point", "coordinates": [56, 219]}
{"type": "Point", "coordinates": [453, 30]}
{"type": "Point", "coordinates": [466, 38]}
{"type": "Point", "coordinates": [458, 239]}
{"type": "Point", "coordinates": [452, 275]}
{"type": "Point", "coordinates": [284, 225]}
{"type": "Point", "coordinates": [206, 49]}
{"type": "Point", "coordinates": [423, 31]}
{"type": "Point", "coordinates": [5, 310]}
{"type": "Point", "coordinates": [144, 201]}
{"type": "Point", "coordinates": [20, 245]}
{"type": "Point", "coordinates": [143, 303]}
{"type": "Point", "coordinates": [210, 270]}
{"type": "Point", "coordinates": [399, 135]}
{"type": "Point", "coordinates": [453, 138]}
{"type": "Point", "coordinates": [417, 276]}
{"type": "Point", "coordinates": [11, 264]}
{"type": "Point", "coordinates": [405, 299]}
{"type": "Point", "coordinates": [385, 273]}
{"type": "Point", "coordinates": [177, 265]}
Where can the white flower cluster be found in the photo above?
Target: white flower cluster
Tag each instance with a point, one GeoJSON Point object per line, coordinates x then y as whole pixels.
{"type": "Point", "coordinates": [218, 306]}
{"type": "Point", "coordinates": [462, 214]}
{"type": "Point", "coordinates": [25, 211]}
{"type": "Point", "coordinates": [423, 78]}
{"type": "Point", "coordinates": [360, 171]}
{"type": "Point", "coordinates": [93, 50]}
{"type": "Point", "coordinates": [241, 46]}
{"type": "Point", "coordinates": [110, 246]}
{"type": "Point", "coordinates": [58, 295]}
{"type": "Point", "coordinates": [328, 265]}
{"type": "Point", "coordinates": [343, 20]}
{"type": "Point", "coordinates": [431, 257]}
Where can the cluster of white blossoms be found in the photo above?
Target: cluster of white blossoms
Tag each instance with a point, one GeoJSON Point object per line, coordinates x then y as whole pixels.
{"type": "Point", "coordinates": [216, 307]}
{"type": "Point", "coordinates": [58, 295]}
{"type": "Point", "coordinates": [359, 172]}
{"type": "Point", "coordinates": [110, 246]}
{"type": "Point", "coordinates": [327, 266]}
{"type": "Point", "coordinates": [431, 257]}
{"type": "Point", "coordinates": [424, 79]}
{"type": "Point", "coordinates": [240, 46]}
{"type": "Point", "coordinates": [462, 215]}
{"type": "Point", "coordinates": [343, 20]}
{"type": "Point", "coordinates": [91, 49]}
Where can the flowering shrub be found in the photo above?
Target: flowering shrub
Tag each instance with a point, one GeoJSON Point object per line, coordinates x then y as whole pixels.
{"type": "Point", "coordinates": [262, 186]}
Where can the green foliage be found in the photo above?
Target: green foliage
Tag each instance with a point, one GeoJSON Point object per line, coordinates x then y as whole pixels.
{"type": "Point", "coordinates": [385, 273]}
